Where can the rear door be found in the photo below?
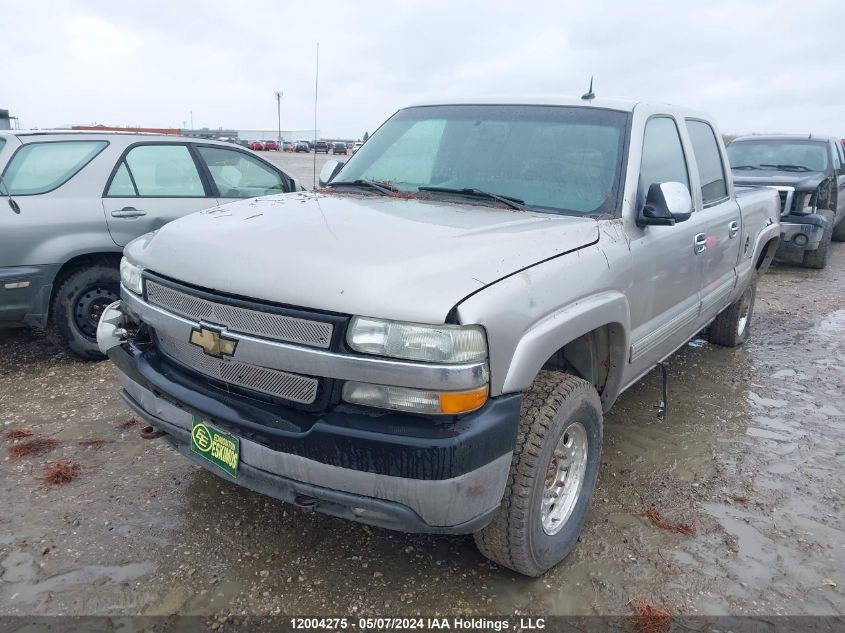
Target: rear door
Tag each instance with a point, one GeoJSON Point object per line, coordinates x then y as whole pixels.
{"type": "Point", "coordinates": [717, 244]}
{"type": "Point", "coordinates": [152, 184]}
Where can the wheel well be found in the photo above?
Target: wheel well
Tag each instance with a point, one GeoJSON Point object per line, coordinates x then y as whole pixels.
{"type": "Point", "coordinates": [767, 255]}
{"type": "Point", "coordinates": [592, 356]}
{"type": "Point", "coordinates": [83, 261]}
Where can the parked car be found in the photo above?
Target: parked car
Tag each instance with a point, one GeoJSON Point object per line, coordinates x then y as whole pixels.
{"type": "Point", "coordinates": [356, 146]}
{"type": "Point", "coordinates": [302, 146]}
{"type": "Point", "coordinates": [287, 146]}
{"type": "Point", "coordinates": [809, 173]}
{"type": "Point", "coordinates": [257, 146]}
{"type": "Point", "coordinates": [339, 148]}
{"type": "Point", "coordinates": [73, 200]}
{"type": "Point", "coordinates": [350, 145]}
{"type": "Point", "coordinates": [440, 360]}
{"type": "Point", "coordinates": [321, 146]}
{"type": "Point", "coordinates": [271, 146]}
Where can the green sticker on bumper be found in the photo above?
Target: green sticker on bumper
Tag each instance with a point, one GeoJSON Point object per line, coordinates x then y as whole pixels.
{"type": "Point", "coordinates": [221, 449]}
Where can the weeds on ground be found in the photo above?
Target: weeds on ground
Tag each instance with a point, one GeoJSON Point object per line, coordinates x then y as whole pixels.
{"type": "Point", "coordinates": [649, 617]}
{"type": "Point", "coordinates": [130, 423]}
{"type": "Point", "coordinates": [658, 521]}
{"type": "Point", "coordinates": [33, 447]}
{"type": "Point", "coordinates": [60, 473]}
{"type": "Point", "coordinates": [18, 434]}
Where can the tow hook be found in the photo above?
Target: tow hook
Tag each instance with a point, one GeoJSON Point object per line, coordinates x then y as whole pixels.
{"type": "Point", "coordinates": [150, 433]}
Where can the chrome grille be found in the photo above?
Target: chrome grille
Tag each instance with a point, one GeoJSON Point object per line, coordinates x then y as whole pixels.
{"type": "Point", "coordinates": [301, 389]}
{"type": "Point", "coordinates": [786, 199]}
{"type": "Point", "coordinates": [280, 327]}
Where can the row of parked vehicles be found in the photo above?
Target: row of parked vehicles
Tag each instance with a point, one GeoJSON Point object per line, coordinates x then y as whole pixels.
{"type": "Point", "coordinates": [429, 341]}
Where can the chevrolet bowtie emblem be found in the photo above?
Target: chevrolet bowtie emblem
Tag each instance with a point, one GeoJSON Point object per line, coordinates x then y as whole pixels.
{"type": "Point", "coordinates": [213, 342]}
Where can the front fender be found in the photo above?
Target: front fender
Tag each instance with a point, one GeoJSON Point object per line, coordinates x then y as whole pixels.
{"type": "Point", "coordinates": [544, 338]}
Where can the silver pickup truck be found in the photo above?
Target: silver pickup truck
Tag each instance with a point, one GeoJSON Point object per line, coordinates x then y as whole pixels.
{"type": "Point", "coordinates": [429, 341]}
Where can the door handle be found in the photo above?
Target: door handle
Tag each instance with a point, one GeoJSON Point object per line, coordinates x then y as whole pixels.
{"type": "Point", "coordinates": [733, 229]}
{"type": "Point", "coordinates": [700, 243]}
{"type": "Point", "coordinates": [128, 212]}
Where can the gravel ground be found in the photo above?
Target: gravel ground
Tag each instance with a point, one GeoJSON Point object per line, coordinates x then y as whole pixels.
{"type": "Point", "coordinates": [751, 456]}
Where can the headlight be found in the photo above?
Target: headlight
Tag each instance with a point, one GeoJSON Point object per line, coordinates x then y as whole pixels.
{"type": "Point", "coordinates": [130, 276]}
{"type": "Point", "coordinates": [808, 204]}
{"type": "Point", "coordinates": [414, 400]}
{"type": "Point", "coordinates": [413, 341]}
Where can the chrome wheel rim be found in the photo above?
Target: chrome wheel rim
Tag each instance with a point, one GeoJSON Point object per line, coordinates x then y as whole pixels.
{"type": "Point", "coordinates": [564, 478]}
{"type": "Point", "coordinates": [744, 310]}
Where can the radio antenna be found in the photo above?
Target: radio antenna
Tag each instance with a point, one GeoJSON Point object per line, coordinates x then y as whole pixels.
{"type": "Point", "coordinates": [316, 84]}
{"type": "Point", "coordinates": [589, 95]}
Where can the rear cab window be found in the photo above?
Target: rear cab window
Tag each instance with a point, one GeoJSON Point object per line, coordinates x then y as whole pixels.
{"type": "Point", "coordinates": [708, 158]}
{"type": "Point", "coordinates": [42, 167]}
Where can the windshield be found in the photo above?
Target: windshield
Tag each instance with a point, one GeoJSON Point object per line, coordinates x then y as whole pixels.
{"type": "Point", "coordinates": [785, 155]}
{"type": "Point", "coordinates": [555, 159]}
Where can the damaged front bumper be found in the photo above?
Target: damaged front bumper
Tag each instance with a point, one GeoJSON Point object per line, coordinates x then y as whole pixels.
{"type": "Point", "coordinates": [801, 232]}
{"type": "Point", "coordinates": [399, 471]}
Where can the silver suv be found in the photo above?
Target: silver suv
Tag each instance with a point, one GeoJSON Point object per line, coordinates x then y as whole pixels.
{"type": "Point", "coordinates": [74, 200]}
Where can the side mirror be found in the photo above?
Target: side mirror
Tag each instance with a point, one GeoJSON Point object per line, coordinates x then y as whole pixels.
{"type": "Point", "coordinates": [666, 204]}
{"type": "Point", "coordinates": [329, 171]}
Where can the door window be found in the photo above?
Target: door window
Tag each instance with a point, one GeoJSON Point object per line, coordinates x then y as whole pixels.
{"type": "Point", "coordinates": [157, 171]}
{"type": "Point", "coordinates": [711, 170]}
{"type": "Point", "coordinates": [238, 175]}
{"type": "Point", "coordinates": [663, 155]}
{"type": "Point", "coordinates": [41, 167]}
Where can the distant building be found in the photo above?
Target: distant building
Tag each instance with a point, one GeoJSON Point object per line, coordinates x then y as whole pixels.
{"type": "Point", "coordinates": [5, 121]}
{"type": "Point", "coordinates": [219, 133]}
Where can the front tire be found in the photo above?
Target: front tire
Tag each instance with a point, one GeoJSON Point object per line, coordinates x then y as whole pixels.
{"type": "Point", "coordinates": [552, 475]}
{"type": "Point", "coordinates": [77, 305]}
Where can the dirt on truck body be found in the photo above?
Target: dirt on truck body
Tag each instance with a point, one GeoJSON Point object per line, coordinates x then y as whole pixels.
{"type": "Point", "coordinates": [751, 455]}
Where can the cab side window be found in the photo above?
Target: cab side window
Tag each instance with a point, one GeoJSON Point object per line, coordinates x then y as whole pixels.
{"type": "Point", "coordinates": [158, 171]}
{"type": "Point", "coordinates": [239, 175]}
{"type": "Point", "coordinates": [663, 157]}
{"type": "Point", "coordinates": [711, 170]}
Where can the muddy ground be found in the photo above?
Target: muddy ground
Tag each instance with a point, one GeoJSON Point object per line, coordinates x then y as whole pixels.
{"type": "Point", "coordinates": [752, 456]}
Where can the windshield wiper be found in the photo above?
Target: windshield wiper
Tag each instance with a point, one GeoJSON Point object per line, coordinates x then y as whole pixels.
{"type": "Point", "coordinates": [363, 182]}
{"type": "Point", "coordinates": [788, 167]}
{"type": "Point", "coordinates": [745, 167]}
{"type": "Point", "coordinates": [513, 203]}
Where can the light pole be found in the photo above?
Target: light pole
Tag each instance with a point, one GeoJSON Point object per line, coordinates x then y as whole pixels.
{"type": "Point", "coordinates": [279, 95]}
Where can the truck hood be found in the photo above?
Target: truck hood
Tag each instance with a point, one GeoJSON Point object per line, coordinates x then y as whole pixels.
{"type": "Point", "coordinates": [801, 182]}
{"type": "Point", "coordinates": [369, 255]}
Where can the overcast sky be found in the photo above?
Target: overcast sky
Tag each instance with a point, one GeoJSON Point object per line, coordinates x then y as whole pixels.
{"type": "Point", "coordinates": [756, 65]}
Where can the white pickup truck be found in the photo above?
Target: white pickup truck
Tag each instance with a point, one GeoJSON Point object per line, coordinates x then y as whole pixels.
{"type": "Point", "coordinates": [428, 343]}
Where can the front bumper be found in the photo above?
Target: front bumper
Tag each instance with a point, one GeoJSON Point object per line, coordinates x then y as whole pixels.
{"type": "Point", "coordinates": [801, 232]}
{"type": "Point", "coordinates": [398, 471]}
{"type": "Point", "coordinates": [25, 294]}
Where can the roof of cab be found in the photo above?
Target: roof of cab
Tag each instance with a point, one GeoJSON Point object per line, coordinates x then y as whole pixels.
{"type": "Point", "coordinates": [785, 137]}
{"type": "Point", "coordinates": [608, 104]}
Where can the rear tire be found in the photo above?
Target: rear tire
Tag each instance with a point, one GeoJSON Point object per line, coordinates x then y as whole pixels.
{"type": "Point", "coordinates": [818, 258]}
{"type": "Point", "coordinates": [552, 475]}
{"type": "Point", "coordinates": [77, 304]}
{"type": "Point", "coordinates": [733, 325]}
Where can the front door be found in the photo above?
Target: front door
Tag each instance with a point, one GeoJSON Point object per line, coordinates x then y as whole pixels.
{"type": "Point", "coordinates": [153, 184]}
{"type": "Point", "coordinates": [666, 277]}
